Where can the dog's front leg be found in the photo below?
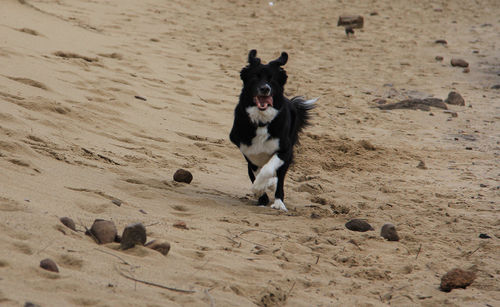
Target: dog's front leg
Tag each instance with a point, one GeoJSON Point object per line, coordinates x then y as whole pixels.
{"type": "Point", "coordinates": [266, 178]}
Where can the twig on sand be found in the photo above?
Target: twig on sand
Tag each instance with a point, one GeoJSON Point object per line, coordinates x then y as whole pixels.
{"type": "Point", "coordinates": [317, 260]}
{"type": "Point", "coordinates": [212, 301]}
{"type": "Point", "coordinates": [122, 260]}
{"type": "Point", "coordinates": [418, 252]}
{"type": "Point", "coordinates": [474, 251]}
{"type": "Point", "coordinates": [149, 283]}
{"type": "Point", "coordinates": [290, 291]}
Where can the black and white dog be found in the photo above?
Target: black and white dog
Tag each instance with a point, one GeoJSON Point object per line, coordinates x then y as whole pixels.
{"type": "Point", "coordinates": [266, 126]}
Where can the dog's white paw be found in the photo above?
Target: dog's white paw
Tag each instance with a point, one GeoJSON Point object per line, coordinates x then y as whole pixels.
{"type": "Point", "coordinates": [262, 185]}
{"type": "Point", "coordinates": [279, 205]}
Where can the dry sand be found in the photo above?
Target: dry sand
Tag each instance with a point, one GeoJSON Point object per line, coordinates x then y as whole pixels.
{"type": "Point", "coordinates": [73, 137]}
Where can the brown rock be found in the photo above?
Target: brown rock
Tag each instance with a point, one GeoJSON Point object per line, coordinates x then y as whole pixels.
{"type": "Point", "coordinates": [441, 41]}
{"type": "Point", "coordinates": [133, 234]}
{"type": "Point", "coordinates": [358, 225]}
{"type": "Point", "coordinates": [103, 231]}
{"type": "Point", "coordinates": [49, 265]}
{"type": "Point", "coordinates": [455, 98]}
{"type": "Point", "coordinates": [389, 232]}
{"type": "Point", "coordinates": [181, 225]}
{"type": "Point", "coordinates": [68, 222]}
{"type": "Point", "coordinates": [459, 63]}
{"type": "Point", "coordinates": [159, 246]}
{"type": "Point", "coordinates": [439, 58]}
{"type": "Point", "coordinates": [421, 165]}
{"type": "Point", "coordinates": [182, 175]}
{"type": "Point", "coordinates": [456, 278]}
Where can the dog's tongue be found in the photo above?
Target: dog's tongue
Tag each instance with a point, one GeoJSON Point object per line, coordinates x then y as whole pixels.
{"type": "Point", "coordinates": [263, 102]}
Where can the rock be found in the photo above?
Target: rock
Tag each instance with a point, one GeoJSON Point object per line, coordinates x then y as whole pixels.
{"type": "Point", "coordinates": [466, 70]}
{"type": "Point", "coordinates": [159, 246]}
{"type": "Point", "coordinates": [459, 63]}
{"type": "Point", "coordinates": [358, 225]}
{"type": "Point", "coordinates": [496, 87]}
{"type": "Point", "coordinates": [117, 202]}
{"type": "Point", "coordinates": [49, 265]}
{"type": "Point", "coordinates": [103, 231]}
{"type": "Point", "coordinates": [133, 234]}
{"type": "Point", "coordinates": [441, 41]}
{"type": "Point", "coordinates": [415, 104]}
{"type": "Point", "coordinates": [421, 165]}
{"type": "Point", "coordinates": [30, 304]}
{"type": "Point", "coordinates": [484, 236]}
{"type": "Point", "coordinates": [389, 232]}
{"type": "Point", "coordinates": [439, 58]}
{"type": "Point", "coordinates": [140, 98]}
{"type": "Point", "coordinates": [182, 175]}
{"type": "Point", "coordinates": [455, 98]}
{"type": "Point", "coordinates": [456, 278]}
{"type": "Point", "coordinates": [68, 222]}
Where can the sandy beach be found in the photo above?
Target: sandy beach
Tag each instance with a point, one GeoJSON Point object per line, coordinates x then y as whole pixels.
{"type": "Point", "coordinates": [102, 101]}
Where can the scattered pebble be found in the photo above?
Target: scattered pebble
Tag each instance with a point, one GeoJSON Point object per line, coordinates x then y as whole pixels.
{"type": "Point", "coordinates": [389, 232]}
{"type": "Point", "coordinates": [484, 236]}
{"type": "Point", "coordinates": [181, 225]}
{"type": "Point", "coordinates": [182, 175]}
{"type": "Point", "coordinates": [30, 304]}
{"type": "Point", "coordinates": [441, 41]}
{"type": "Point", "coordinates": [160, 246]}
{"type": "Point", "coordinates": [466, 70]}
{"type": "Point", "coordinates": [68, 222]}
{"type": "Point", "coordinates": [133, 234]}
{"type": "Point", "coordinates": [117, 202]}
{"type": "Point", "coordinates": [103, 231]}
{"type": "Point", "coordinates": [140, 98]}
{"type": "Point", "coordinates": [496, 87]}
{"type": "Point", "coordinates": [439, 58]}
{"type": "Point", "coordinates": [455, 98]}
{"type": "Point", "coordinates": [314, 215]}
{"type": "Point", "coordinates": [49, 265]}
{"type": "Point", "coordinates": [421, 165]}
{"type": "Point", "coordinates": [374, 13]}
{"type": "Point", "coordinates": [358, 225]}
{"type": "Point", "coordinates": [459, 62]}
{"type": "Point", "coordinates": [456, 278]}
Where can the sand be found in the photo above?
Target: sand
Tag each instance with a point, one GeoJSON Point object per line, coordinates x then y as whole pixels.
{"type": "Point", "coordinates": [105, 100]}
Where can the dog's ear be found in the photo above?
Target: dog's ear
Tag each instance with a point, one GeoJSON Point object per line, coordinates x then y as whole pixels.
{"type": "Point", "coordinates": [252, 59]}
{"type": "Point", "coordinates": [281, 60]}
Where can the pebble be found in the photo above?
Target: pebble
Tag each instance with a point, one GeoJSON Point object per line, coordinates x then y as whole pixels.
{"type": "Point", "coordinates": [358, 225]}
{"type": "Point", "coordinates": [496, 87]}
{"type": "Point", "coordinates": [68, 222]}
{"type": "Point", "coordinates": [160, 246]}
{"type": "Point", "coordinates": [439, 58]}
{"type": "Point", "coordinates": [389, 232]}
{"type": "Point", "coordinates": [455, 98]}
{"type": "Point", "coordinates": [441, 41]}
{"type": "Point", "coordinates": [466, 70]}
{"type": "Point", "coordinates": [104, 231]}
{"type": "Point", "coordinates": [459, 63]}
{"type": "Point", "coordinates": [133, 234]}
{"type": "Point", "coordinates": [117, 202]}
{"type": "Point", "coordinates": [484, 236]}
{"type": "Point", "coordinates": [30, 304]}
{"type": "Point", "coordinates": [140, 98]}
{"type": "Point", "coordinates": [181, 225]}
{"type": "Point", "coordinates": [182, 175]}
{"type": "Point", "coordinates": [49, 265]}
{"type": "Point", "coordinates": [456, 278]}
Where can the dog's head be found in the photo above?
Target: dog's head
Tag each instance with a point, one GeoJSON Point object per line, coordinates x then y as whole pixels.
{"type": "Point", "coordinates": [265, 83]}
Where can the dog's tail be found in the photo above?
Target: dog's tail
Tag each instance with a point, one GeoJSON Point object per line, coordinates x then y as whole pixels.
{"type": "Point", "coordinates": [303, 108]}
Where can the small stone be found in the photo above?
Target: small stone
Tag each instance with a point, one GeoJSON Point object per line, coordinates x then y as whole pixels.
{"type": "Point", "coordinates": [439, 58]}
{"type": "Point", "coordinates": [389, 232]}
{"type": "Point", "coordinates": [117, 202]}
{"type": "Point", "coordinates": [456, 278]}
{"type": "Point", "coordinates": [49, 265]}
{"type": "Point", "coordinates": [455, 98]}
{"type": "Point", "coordinates": [466, 70]}
{"type": "Point", "coordinates": [421, 165]}
{"type": "Point", "coordinates": [30, 304]}
{"type": "Point", "coordinates": [159, 246]}
{"type": "Point", "coordinates": [496, 87]}
{"type": "Point", "coordinates": [103, 231]}
{"type": "Point", "coordinates": [181, 225]}
{"type": "Point", "coordinates": [140, 98]}
{"type": "Point", "coordinates": [314, 215]}
{"type": "Point", "coordinates": [68, 222]}
{"type": "Point", "coordinates": [459, 63]}
{"type": "Point", "coordinates": [182, 175]}
{"type": "Point", "coordinates": [484, 236]}
{"type": "Point", "coordinates": [133, 234]}
{"type": "Point", "coordinates": [441, 41]}
{"type": "Point", "coordinates": [358, 225]}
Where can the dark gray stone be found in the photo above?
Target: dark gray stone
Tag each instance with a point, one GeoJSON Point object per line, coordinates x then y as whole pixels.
{"type": "Point", "coordinates": [389, 232]}
{"type": "Point", "coordinates": [133, 234]}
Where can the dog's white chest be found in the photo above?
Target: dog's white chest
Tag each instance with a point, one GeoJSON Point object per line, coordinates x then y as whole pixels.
{"type": "Point", "coordinates": [261, 149]}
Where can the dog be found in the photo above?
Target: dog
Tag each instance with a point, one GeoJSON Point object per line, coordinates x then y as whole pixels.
{"type": "Point", "coordinates": [267, 125]}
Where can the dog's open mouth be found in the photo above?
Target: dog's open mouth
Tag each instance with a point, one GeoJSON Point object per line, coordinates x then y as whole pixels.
{"type": "Point", "coordinates": [263, 102]}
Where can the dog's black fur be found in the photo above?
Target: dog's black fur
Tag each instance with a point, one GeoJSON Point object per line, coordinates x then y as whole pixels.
{"type": "Point", "coordinates": [267, 124]}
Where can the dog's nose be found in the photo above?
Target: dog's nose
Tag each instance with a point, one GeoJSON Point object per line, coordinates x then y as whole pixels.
{"type": "Point", "coordinates": [265, 89]}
